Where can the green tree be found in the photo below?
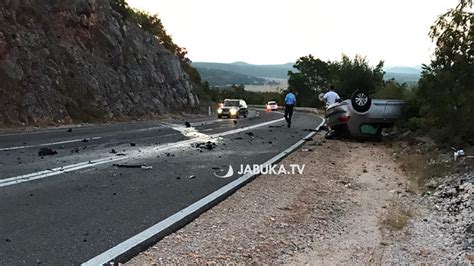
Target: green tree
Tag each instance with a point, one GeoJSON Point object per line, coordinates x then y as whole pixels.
{"type": "Point", "coordinates": [446, 90]}
{"type": "Point", "coordinates": [357, 74]}
{"type": "Point", "coordinates": [314, 76]}
{"type": "Point", "coordinates": [391, 90]}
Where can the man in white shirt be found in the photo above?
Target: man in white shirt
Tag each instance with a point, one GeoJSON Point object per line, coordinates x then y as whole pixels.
{"type": "Point", "coordinates": [331, 97]}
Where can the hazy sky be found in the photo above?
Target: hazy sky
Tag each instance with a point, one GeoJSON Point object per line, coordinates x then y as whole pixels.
{"type": "Point", "coordinates": [281, 31]}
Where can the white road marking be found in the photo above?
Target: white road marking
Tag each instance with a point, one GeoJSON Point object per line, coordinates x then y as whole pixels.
{"type": "Point", "coordinates": [47, 144]}
{"type": "Point", "coordinates": [145, 152]}
{"type": "Point", "coordinates": [195, 208]}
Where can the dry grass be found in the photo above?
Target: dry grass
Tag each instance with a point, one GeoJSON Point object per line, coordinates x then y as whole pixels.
{"type": "Point", "coordinates": [397, 217]}
{"type": "Point", "coordinates": [422, 167]}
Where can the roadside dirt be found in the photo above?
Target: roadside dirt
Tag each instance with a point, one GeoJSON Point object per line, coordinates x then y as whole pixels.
{"type": "Point", "coordinates": [351, 205]}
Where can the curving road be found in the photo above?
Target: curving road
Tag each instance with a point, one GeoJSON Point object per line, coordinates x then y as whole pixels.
{"type": "Point", "coordinates": [69, 207]}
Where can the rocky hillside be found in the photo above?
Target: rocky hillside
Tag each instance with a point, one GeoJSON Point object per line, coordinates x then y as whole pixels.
{"type": "Point", "coordinates": [79, 60]}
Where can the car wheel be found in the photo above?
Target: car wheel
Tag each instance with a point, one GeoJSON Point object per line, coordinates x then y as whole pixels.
{"type": "Point", "coordinates": [219, 116]}
{"type": "Point", "coordinates": [361, 101]}
{"type": "Point", "coordinates": [246, 114]}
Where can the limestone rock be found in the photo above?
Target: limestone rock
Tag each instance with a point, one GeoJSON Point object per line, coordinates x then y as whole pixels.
{"type": "Point", "coordinates": [78, 60]}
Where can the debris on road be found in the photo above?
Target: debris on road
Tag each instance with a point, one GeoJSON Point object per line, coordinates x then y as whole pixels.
{"type": "Point", "coordinates": [325, 128]}
{"type": "Point", "coordinates": [84, 140]}
{"type": "Point", "coordinates": [46, 151]}
{"type": "Point", "coordinates": [458, 153]}
{"type": "Point", "coordinates": [187, 124]}
{"type": "Point", "coordinates": [191, 176]}
{"type": "Point", "coordinates": [250, 134]}
{"type": "Point", "coordinates": [69, 130]}
{"type": "Point", "coordinates": [235, 122]}
{"type": "Point", "coordinates": [205, 145]}
{"type": "Point", "coordinates": [306, 150]}
{"type": "Point", "coordinates": [308, 139]}
{"type": "Point", "coordinates": [113, 151]}
{"type": "Point", "coordinates": [142, 166]}
{"type": "Point", "coordinates": [120, 154]}
{"type": "Point", "coordinates": [133, 144]}
{"type": "Point", "coordinates": [310, 129]}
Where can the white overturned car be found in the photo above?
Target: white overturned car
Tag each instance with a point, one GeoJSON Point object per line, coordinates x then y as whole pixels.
{"type": "Point", "coordinates": [362, 116]}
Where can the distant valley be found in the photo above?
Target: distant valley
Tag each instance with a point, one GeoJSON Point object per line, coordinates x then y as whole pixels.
{"type": "Point", "coordinates": [271, 77]}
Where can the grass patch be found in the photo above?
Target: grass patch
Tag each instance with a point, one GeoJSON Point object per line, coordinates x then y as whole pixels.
{"type": "Point", "coordinates": [397, 217]}
{"type": "Point", "coordinates": [423, 165]}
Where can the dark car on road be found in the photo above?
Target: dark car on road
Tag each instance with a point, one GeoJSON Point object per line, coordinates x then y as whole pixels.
{"type": "Point", "coordinates": [233, 108]}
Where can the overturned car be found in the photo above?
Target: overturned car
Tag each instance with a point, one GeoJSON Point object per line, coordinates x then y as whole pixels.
{"type": "Point", "coordinates": [362, 116]}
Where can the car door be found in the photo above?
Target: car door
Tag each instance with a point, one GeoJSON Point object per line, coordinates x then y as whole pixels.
{"type": "Point", "coordinates": [243, 107]}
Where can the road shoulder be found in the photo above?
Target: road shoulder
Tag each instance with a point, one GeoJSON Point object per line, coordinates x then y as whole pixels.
{"type": "Point", "coordinates": [352, 205]}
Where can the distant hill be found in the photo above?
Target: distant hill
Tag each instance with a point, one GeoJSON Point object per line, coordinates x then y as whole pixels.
{"type": "Point", "coordinates": [259, 71]}
{"type": "Point", "coordinates": [402, 74]}
{"type": "Point", "coordinates": [405, 70]}
{"type": "Point", "coordinates": [244, 73]}
{"type": "Point", "coordinates": [219, 77]}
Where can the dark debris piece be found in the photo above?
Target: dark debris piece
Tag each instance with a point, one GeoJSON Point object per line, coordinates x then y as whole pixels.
{"type": "Point", "coordinates": [250, 134]}
{"type": "Point", "coordinates": [142, 166]}
{"type": "Point", "coordinates": [85, 140]}
{"type": "Point", "coordinates": [205, 145]}
{"type": "Point", "coordinates": [69, 130]}
{"type": "Point", "coordinates": [113, 151]}
{"type": "Point", "coordinates": [46, 152]}
{"type": "Point", "coordinates": [187, 124]}
{"type": "Point", "coordinates": [133, 144]}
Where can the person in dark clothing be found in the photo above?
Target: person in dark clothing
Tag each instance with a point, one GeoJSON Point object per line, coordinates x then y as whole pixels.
{"type": "Point", "coordinates": [290, 102]}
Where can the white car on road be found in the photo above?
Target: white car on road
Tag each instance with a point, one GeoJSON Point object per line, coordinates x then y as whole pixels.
{"type": "Point", "coordinates": [272, 106]}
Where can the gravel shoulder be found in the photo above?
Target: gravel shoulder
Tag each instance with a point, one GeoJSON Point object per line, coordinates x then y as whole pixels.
{"type": "Point", "coordinates": [352, 205]}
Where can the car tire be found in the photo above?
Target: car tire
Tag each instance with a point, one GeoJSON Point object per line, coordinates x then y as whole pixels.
{"type": "Point", "coordinates": [219, 116]}
{"type": "Point", "coordinates": [361, 101]}
{"type": "Point", "coordinates": [246, 114]}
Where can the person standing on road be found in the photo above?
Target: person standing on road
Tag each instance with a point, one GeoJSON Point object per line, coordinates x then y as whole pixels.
{"type": "Point", "coordinates": [290, 102]}
{"type": "Point", "coordinates": [331, 97]}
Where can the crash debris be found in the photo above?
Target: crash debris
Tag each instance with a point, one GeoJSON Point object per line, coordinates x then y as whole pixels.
{"type": "Point", "coordinates": [205, 145]}
{"type": "Point", "coordinates": [46, 151]}
{"type": "Point", "coordinates": [142, 166]}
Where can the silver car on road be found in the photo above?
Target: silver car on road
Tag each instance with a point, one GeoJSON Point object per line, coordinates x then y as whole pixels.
{"type": "Point", "coordinates": [362, 116]}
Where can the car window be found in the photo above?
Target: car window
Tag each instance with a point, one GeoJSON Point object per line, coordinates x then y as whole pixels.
{"type": "Point", "coordinates": [231, 103]}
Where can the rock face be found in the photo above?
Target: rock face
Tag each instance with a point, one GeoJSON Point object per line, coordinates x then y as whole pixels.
{"type": "Point", "coordinates": [78, 60]}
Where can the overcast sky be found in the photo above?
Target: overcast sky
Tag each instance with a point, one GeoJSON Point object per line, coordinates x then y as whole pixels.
{"type": "Point", "coordinates": [281, 31]}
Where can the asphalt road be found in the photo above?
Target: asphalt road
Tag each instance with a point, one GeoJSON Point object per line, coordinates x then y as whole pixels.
{"type": "Point", "coordinates": [69, 207]}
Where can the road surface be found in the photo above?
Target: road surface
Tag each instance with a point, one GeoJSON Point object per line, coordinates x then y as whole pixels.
{"type": "Point", "coordinates": [69, 207]}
